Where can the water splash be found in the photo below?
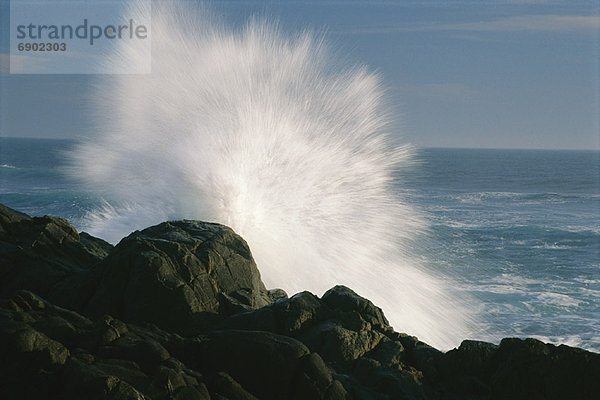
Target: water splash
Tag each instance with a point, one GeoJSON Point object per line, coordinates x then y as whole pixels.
{"type": "Point", "coordinates": [265, 133]}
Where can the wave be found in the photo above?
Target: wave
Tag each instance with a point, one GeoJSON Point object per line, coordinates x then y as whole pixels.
{"type": "Point", "coordinates": [558, 299]}
{"type": "Point", "coordinates": [266, 133]}
{"type": "Point", "coordinates": [523, 198]}
{"type": "Point", "coordinates": [512, 229]}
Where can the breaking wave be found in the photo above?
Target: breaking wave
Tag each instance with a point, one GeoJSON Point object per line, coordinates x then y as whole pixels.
{"type": "Point", "coordinates": [267, 133]}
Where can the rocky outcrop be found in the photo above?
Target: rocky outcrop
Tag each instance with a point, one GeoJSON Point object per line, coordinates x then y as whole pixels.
{"type": "Point", "coordinates": [178, 275]}
{"type": "Point", "coordinates": [39, 253]}
{"type": "Point", "coordinates": [178, 311]}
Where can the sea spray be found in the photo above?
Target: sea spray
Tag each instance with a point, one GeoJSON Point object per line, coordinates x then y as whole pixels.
{"type": "Point", "coordinates": [266, 133]}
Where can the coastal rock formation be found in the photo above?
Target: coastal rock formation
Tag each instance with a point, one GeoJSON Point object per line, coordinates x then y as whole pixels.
{"type": "Point", "coordinates": [178, 311]}
{"type": "Point", "coordinates": [38, 253]}
{"type": "Point", "coordinates": [177, 275]}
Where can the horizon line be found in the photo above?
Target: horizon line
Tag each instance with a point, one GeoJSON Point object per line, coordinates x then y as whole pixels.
{"type": "Point", "coordinates": [417, 146]}
{"type": "Point", "coordinates": [510, 148]}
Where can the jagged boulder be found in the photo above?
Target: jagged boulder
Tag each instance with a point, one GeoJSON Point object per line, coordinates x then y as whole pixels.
{"type": "Point", "coordinates": [40, 252]}
{"type": "Point", "coordinates": [181, 275]}
{"type": "Point", "coordinates": [51, 352]}
{"type": "Point", "coordinates": [350, 334]}
{"type": "Point", "coordinates": [519, 369]}
{"type": "Point", "coordinates": [178, 275]}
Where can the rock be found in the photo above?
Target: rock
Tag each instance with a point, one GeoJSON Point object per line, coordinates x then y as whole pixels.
{"type": "Point", "coordinates": [344, 329]}
{"type": "Point", "coordinates": [88, 381]}
{"type": "Point", "coordinates": [339, 345]}
{"type": "Point", "coordinates": [225, 386]}
{"type": "Point", "coordinates": [25, 343]}
{"type": "Point", "coordinates": [520, 369]}
{"type": "Point", "coordinates": [425, 358]}
{"type": "Point", "coordinates": [26, 352]}
{"type": "Point", "coordinates": [316, 381]}
{"type": "Point", "coordinates": [39, 253]}
{"type": "Point", "coordinates": [396, 384]}
{"type": "Point", "coordinates": [63, 354]}
{"type": "Point", "coordinates": [286, 316]}
{"type": "Point", "coordinates": [339, 326]}
{"type": "Point", "coordinates": [252, 358]}
{"type": "Point", "coordinates": [343, 299]}
{"type": "Point", "coordinates": [467, 368]}
{"type": "Point", "coordinates": [277, 294]}
{"type": "Point", "coordinates": [178, 275]}
{"type": "Point", "coordinates": [178, 311]}
{"type": "Point", "coordinates": [535, 370]}
{"type": "Point", "coordinates": [148, 354]}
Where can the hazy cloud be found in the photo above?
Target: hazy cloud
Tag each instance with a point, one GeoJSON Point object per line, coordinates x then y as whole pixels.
{"type": "Point", "coordinates": [532, 23]}
{"type": "Point", "coordinates": [519, 23]}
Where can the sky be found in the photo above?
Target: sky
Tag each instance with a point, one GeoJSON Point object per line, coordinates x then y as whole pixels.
{"type": "Point", "coordinates": [493, 74]}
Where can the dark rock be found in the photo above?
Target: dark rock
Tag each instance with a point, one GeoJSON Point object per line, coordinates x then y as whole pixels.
{"type": "Point", "coordinates": [358, 391]}
{"type": "Point", "coordinates": [177, 275]}
{"type": "Point", "coordinates": [340, 326]}
{"type": "Point", "coordinates": [389, 353]}
{"type": "Point", "coordinates": [425, 358]}
{"type": "Point", "coordinates": [39, 253]}
{"type": "Point", "coordinates": [467, 369]}
{"type": "Point", "coordinates": [343, 299]}
{"type": "Point", "coordinates": [88, 381]}
{"type": "Point", "coordinates": [277, 294]}
{"type": "Point", "coordinates": [252, 358]}
{"type": "Point", "coordinates": [339, 345]}
{"type": "Point", "coordinates": [315, 381]}
{"type": "Point", "coordinates": [63, 354]}
{"type": "Point", "coordinates": [520, 369]}
{"type": "Point", "coordinates": [535, 370]}
{"type": "Point", "coordinates": [226, 387]}
{"type": "Point", "coordinates": [286, 316]}
{"type": "Point", "coordinates": [343, 330]}
{"type": "Point", "coordinates": [147, 353]}
{"type": "Point", "coordinates": [393, 382]}
{"type": "Point", "coordinates": [178, 311]}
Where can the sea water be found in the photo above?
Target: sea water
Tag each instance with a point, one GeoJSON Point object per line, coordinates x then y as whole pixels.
{"type": "Point", "coordinates": [519, 230]}
{"type": "Point", "coordinates": [516, 232]}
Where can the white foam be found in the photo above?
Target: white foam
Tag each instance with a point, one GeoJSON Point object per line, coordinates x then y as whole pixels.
{"type": "Point", "coordinates": [558, 299]}
{"type": "Point", "coordinates": [266, 133]}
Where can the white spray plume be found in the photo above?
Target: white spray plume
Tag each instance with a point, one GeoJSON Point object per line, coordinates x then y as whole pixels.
{"type": "Point", "coordinates": [265, 133]}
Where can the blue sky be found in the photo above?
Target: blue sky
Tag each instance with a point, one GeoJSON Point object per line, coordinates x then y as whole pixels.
{"type": "Point", "coordinates": [500, 74]}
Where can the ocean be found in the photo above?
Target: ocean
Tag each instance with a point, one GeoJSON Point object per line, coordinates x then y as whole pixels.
{"type": "Point", "coordinates": [517, 232]}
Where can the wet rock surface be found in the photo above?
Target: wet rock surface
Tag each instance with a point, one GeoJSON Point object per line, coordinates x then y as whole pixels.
{"type": "Point", "coordinates": [178, 311]}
